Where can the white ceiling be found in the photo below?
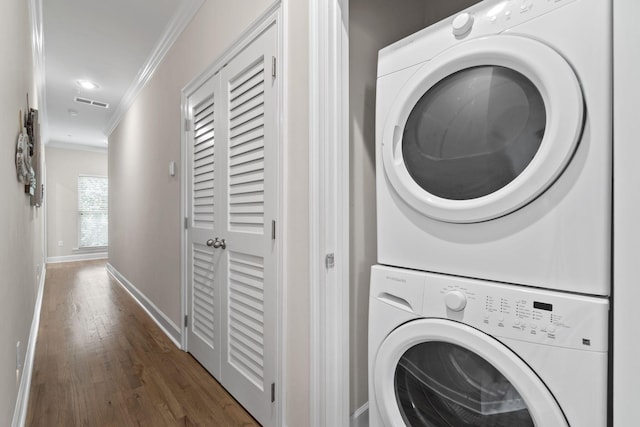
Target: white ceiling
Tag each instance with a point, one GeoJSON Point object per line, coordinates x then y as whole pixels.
{"type": "Point", "coordinates": [108, 42]}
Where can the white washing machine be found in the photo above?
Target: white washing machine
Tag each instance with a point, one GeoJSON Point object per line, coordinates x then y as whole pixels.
{"type": "Point", "coordinates": [493, 136]}
{"type": "Point", "coordinates": [451, 351]}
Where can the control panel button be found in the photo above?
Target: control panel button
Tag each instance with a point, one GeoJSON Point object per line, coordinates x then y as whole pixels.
{"type": "Point", "coordinates": [462, 24]}
{"type": "Point", "coordinates": [455, 300]}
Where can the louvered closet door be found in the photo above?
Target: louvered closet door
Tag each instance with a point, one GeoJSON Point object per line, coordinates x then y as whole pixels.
{"type": "Point", "coordinates": [248, 359]}
{"type": "Point", "coordinates": [203, 262]}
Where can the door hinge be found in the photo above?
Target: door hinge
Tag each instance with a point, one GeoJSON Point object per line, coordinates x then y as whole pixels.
{"type": "Point", "coordinates": [273, 230]}
{"type": "Point", "coordinates": [186, 222]}
{"type": "Point", "coordinates": [329, 260]}
{"type": "Point", "coordinates": [273, 392]}
{"type": "Point", "coordinates": [273, 66]}
{"type": "Point", "coordinates": [187, 125]}
{"type": "Point", "coordinates": [186, 321]}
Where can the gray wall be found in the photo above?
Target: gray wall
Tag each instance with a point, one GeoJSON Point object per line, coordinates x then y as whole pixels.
{"type": "Point", "coordinates": [373, 24]}
{"type": "Point", "coordinates": [63, 167]}
{"type": "Point", "coordinates": [21, 254]}
{"type": "Point", "coordinates": [144, 201]}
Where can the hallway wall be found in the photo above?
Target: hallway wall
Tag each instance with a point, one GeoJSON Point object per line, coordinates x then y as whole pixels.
{"type": "Point", "coordinates": [144, 201]}
{"type": "Point", "coordinates": [21, 254]}
{"type": "Point", "coordinates": [63, 168]}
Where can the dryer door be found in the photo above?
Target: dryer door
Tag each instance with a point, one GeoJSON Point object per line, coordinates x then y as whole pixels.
{"type": "Point", "coordinates": [435, 372]}
{"type": "Point", "coordinates": [482, 129]}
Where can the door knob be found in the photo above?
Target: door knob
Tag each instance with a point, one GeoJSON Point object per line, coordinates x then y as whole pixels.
{"type": "Point", "coordinates": [219, 243]}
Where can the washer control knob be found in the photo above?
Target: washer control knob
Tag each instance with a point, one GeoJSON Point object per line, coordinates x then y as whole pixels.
{"type": "Point", "coordinates": [462, 24]}
{"type": "Point", "coordinates": [455, 300]}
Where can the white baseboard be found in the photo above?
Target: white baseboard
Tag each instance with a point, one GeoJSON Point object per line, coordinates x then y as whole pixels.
{"type": "Point", "coordinates": [78, 257]}
{"type": "Point", "coordinates": [170, 329]}
{"type": "Point", "coordinates": [22, 403]}
{"type": "Point", "coordinates": [360, 418]}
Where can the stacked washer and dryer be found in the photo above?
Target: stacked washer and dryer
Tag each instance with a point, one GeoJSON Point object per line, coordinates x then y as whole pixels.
{"type": "Point", "coordinates": [489, 306]}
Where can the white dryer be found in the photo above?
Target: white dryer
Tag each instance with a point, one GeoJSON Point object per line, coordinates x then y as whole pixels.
{"type": "Point", "coordinates": [450, 351]}
{"type": "Point", "coordinates": [494, 139]}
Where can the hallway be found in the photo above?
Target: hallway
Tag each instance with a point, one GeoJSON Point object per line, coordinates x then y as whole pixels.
{"type": "Point", "coordinates": [101, 361]}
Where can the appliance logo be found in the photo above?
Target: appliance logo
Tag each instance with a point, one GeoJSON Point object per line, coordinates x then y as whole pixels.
{"type": "Point", "coordinates": [396, 279]}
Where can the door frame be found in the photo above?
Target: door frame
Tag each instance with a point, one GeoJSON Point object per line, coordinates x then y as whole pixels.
{"type": "Point", "coordinates": [329, 212]}
{"type": "Point", "coordinates": [272, 16]}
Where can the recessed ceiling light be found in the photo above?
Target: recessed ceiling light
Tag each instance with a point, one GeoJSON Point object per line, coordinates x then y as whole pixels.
{"type": "Point", "coordinates": [86, 84]}
{"type": "Point", "coordinates": [72, 113]}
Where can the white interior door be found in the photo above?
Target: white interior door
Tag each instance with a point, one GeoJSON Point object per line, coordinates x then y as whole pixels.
{"type": "Point", "coordinates": [203, 211]}
{"type": "Point", "coordinates": [231, 246]}
{"type": "Point", "coordinates": [250, 150]}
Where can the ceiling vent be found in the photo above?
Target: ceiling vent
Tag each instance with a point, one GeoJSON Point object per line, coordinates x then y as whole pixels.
{"type": "Point", "coordinates": [86, 101]}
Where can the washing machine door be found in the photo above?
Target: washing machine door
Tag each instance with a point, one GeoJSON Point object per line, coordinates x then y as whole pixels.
{"type": "Point", "coordinates": [482, 129]}
{"type": "Point", "coordinates": [435, 373]}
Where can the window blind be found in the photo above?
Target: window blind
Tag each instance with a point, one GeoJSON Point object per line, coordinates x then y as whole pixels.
{"type": "Point", "coordinates": [93, 207]}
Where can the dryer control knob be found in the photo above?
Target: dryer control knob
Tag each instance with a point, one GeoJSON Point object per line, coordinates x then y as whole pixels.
{"type": "Point", "coordinates": [462, 24]}
{"type": "Point", "coordinates": [455, 300]}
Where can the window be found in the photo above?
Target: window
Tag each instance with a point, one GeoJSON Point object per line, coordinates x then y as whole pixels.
{"type": "Point", "coordinates": [92, 211]}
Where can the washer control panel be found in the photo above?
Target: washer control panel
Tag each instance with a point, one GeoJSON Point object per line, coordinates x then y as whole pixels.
{"type": "Point", "coordinates": [519, 312]}
{"type": "Point", "coordinates": [502, 14]}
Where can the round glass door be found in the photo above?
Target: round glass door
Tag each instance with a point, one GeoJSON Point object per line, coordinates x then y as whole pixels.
{"type": "Point", "coordinates": [473, 132]}
{"type": "Point", "coordinates": [443, 384]}
{"type": "Point", "coordinates": [482, 129]}
{"type": "Point", "coordinates": [439, 373]}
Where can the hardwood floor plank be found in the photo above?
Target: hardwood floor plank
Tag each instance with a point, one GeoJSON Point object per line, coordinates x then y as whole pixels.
{"type": "Point", "coordinates": [101, 361]}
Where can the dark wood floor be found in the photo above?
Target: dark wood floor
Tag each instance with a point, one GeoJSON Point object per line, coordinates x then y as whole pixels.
{"type": "Point", "coordinates": [101, 361]}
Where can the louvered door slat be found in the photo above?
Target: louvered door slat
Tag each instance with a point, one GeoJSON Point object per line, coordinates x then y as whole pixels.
{"type": "Point", "coordinates": [239, 164]}
{"type": "Point", "coordinates": [253, 135]}
{"type": "Point", "coordinates": [246, 317]}
{"type": "Point", "coordinates": [205, 151]}
{"type": "Point", "coordinates": [252, 104]}
{"type": "Point", "coordinates": [204, 164]}
{"type": "Point", "coordinates": [203, 295]}
{"type": "Point", "coordinates": [246, 146]}
{"type": "Point", "coordinates": [247, 177]}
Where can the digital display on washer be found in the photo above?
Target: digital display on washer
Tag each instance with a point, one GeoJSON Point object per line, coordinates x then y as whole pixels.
{"type": "Point", "coordinates": [542, 306]}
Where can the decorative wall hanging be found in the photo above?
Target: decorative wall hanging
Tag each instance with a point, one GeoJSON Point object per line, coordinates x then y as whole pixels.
{"type": "Point", "coordinates": [29, 156]}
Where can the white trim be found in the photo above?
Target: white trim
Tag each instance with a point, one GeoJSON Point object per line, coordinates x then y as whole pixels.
{"type": "Point", "coordinates": [79, 257]}
{"type": "Point", "coordinates": [90, 249]}
{"type": "Point", "coordinates": [264, 21]}
{"type": "Point", "coordinates": [274, 14]}
{"type": "Point", "coordinates": [626, 205]}
{"type": "Point", "coordinates": [37, 42]}
{"type": "Point", "coordinates": [282, 209]}
{"type": "Point", "coordinates": [360, 418]}
{"type": "Point", "coordinates": [81, 147]}
{"type": "Point", "coordinates": [329, 211]}
{"type": "Point", "coordinates": [22, 403]}
{"type": "Point", "coordinates": [171, 330]}
{"type": "Point", "coordinates": [179, 22]}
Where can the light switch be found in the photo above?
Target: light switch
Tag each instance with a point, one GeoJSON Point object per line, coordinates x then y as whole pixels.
{"type": "Point", "coordinates": [172, 168]}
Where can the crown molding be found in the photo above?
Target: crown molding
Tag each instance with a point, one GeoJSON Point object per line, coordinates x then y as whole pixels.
{"type": "Point", "coordinates": [177, 25]}
{"type": "Point", "coordinates": [79, 147]}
